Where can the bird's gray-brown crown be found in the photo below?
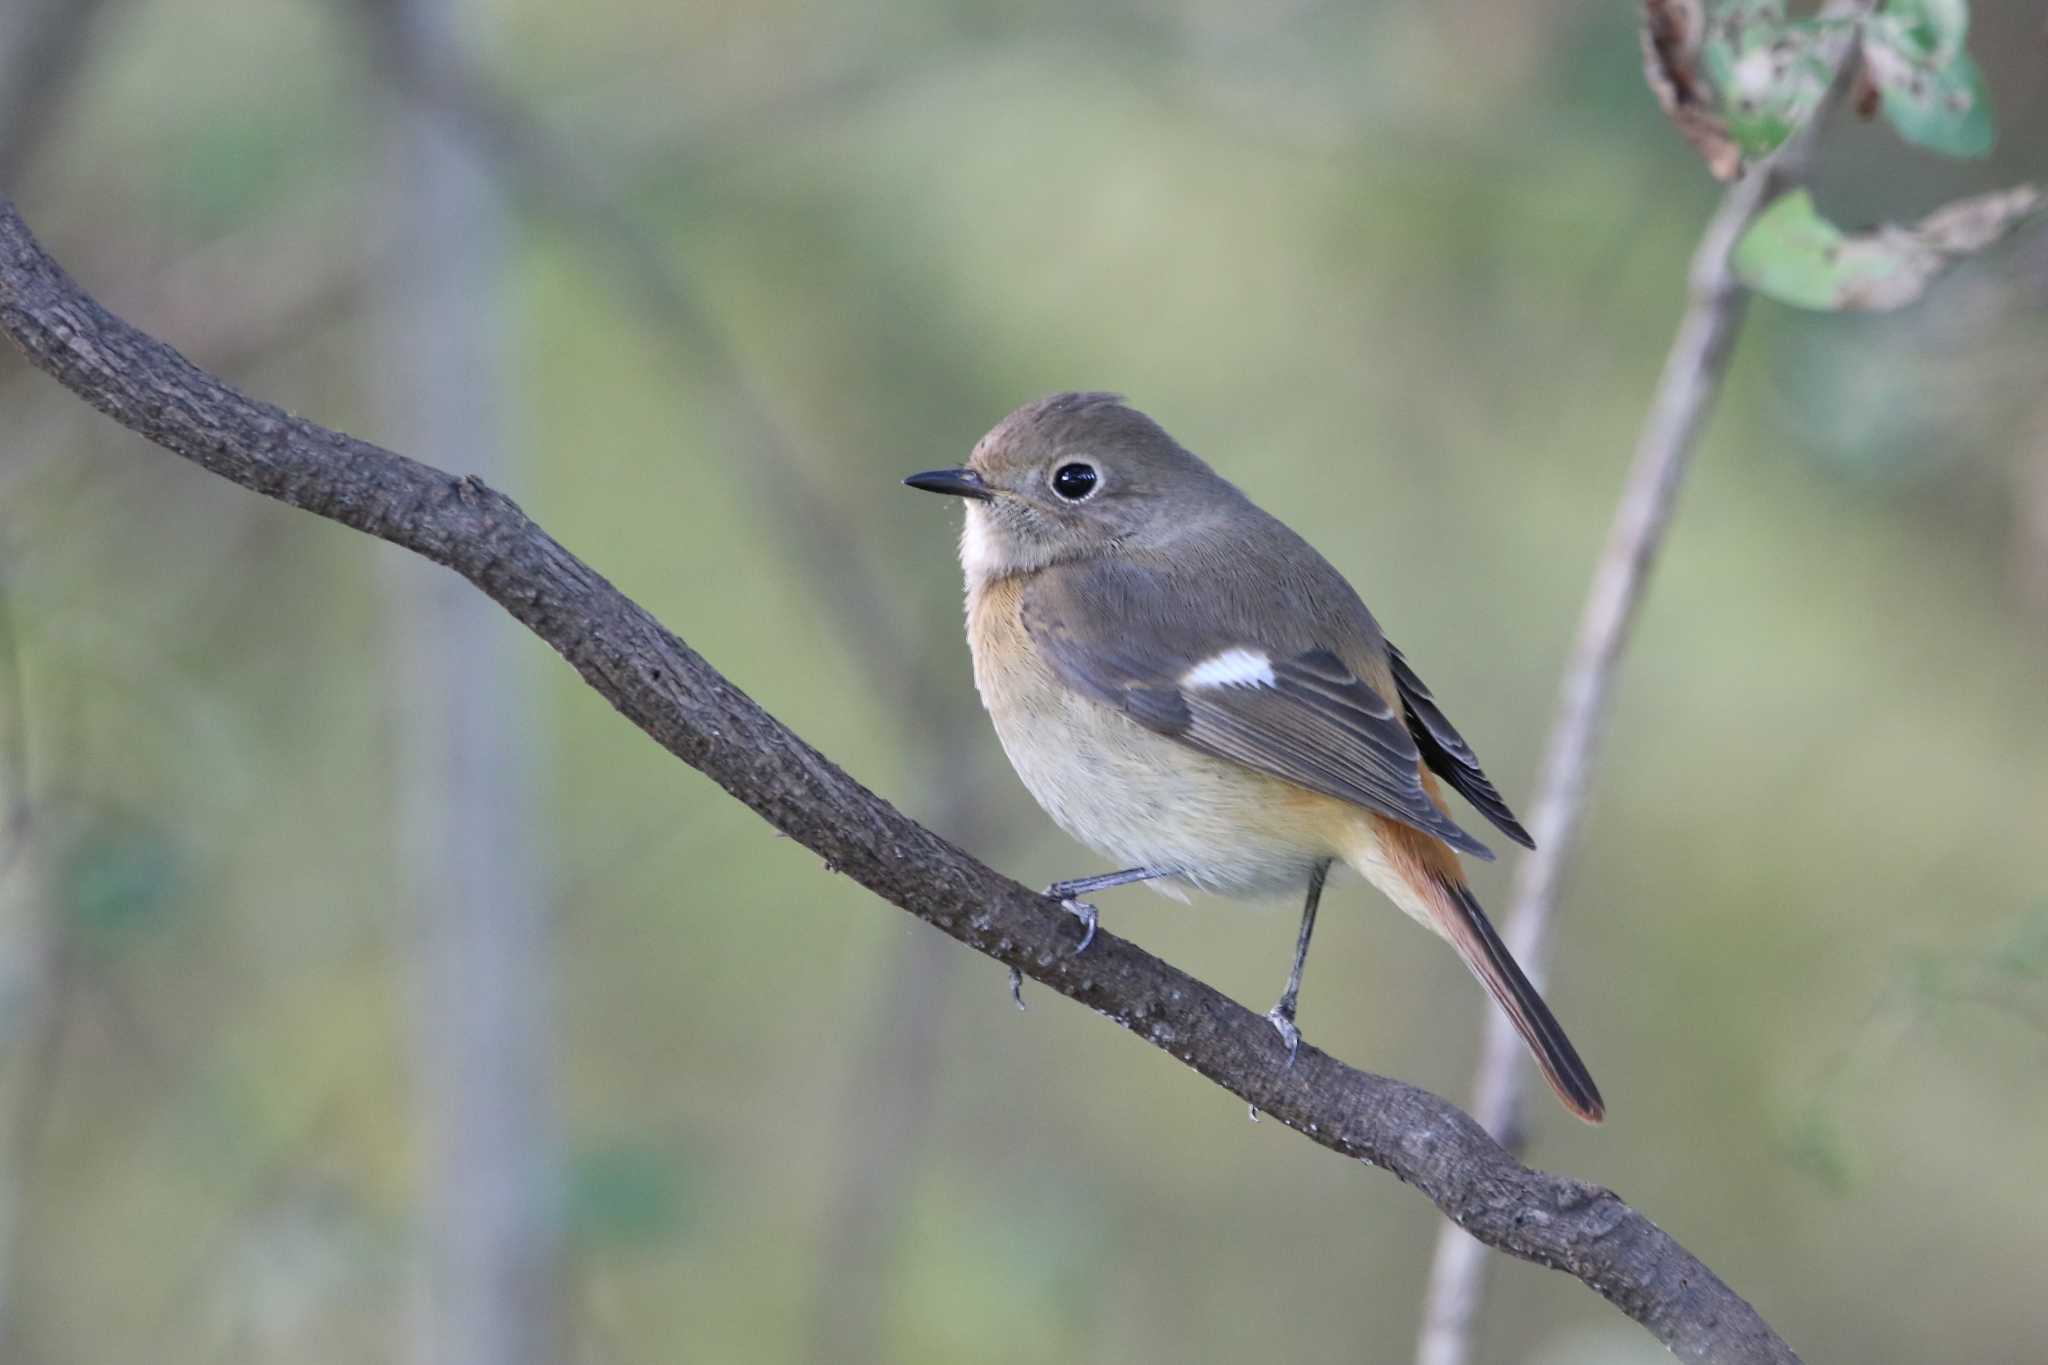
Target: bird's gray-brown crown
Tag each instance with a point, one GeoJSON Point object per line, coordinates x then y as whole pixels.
{"type": "Point", "coordinates": [1073, 475]}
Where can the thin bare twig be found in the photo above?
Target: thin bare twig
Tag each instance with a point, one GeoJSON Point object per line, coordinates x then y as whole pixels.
{"type": "Point", "coordinates": [1687, 388]}
{"type": "Point", "coordinates": [669, 691]}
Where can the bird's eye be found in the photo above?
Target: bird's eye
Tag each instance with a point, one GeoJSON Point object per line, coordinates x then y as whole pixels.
{"type": "Point", "coordinates": [1074, 482]}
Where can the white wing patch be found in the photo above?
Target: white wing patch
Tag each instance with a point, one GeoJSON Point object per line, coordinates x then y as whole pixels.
{"type": "Point", "coordinates": [1231, 668]}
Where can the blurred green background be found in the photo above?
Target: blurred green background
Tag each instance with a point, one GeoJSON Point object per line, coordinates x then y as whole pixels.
{"type": "Point", "coordinates": [1404, 271]}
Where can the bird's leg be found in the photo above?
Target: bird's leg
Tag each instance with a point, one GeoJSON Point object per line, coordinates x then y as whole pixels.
{"type": "Point", "coordinates": [1066, 894]}
{"type": "Point", "coordinates": [1281, 1016]}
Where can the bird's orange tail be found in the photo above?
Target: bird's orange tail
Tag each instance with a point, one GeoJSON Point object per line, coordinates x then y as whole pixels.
{"type": "Point", "coordinates": [1421, 875]}
{"type": "Point", "coordinates": [1462, 922]}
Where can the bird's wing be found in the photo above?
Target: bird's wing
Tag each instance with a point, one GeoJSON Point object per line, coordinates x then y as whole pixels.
{"type": "Point", "coordinates": [1243, 687]}
{"type": "Point", "coordinates": [1447, 753]}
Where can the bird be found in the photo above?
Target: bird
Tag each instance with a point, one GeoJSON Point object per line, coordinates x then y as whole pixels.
{"type": "Point", "coordinates": [1189, 689]}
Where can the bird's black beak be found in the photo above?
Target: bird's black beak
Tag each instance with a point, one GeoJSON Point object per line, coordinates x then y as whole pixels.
{"type": "Point", "coordinates": [961, 483]}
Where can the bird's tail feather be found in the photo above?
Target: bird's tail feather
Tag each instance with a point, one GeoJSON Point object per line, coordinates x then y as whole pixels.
{"type": "Point", "coordinates": [1421, 875]}
{"type": "Point", "coordinates": [1460, 920]}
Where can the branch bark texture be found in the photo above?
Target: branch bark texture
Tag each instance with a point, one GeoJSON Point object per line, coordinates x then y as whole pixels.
{"type": "Point", "coordinates": [669, 691]}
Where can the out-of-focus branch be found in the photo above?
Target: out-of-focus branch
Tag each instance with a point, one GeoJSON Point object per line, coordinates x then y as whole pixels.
{"type": "Point", "coordinates": [890, 1079]}
{"type": "Point", "coordinates": [15, 807]}
{"type": "Point", "coordinates": [521, 154]}
{"type": "Point", "coordinates": [246, 297]}
{"type": "Point", "coordinates": [886, 1099]}
{"type": "Point", "coordinates": [526, 160]}
{"type": "Point", "coordinates": [243, 297]}
{"type": "Point", "coordinates": [472, 862]}
{"type": "Point", "coordinates": [2030, 540]}
{"type": "Point", "coordinates": [41, 49]}
{"type": "Point", "coordinates": [1687, 388]}
{"type": "Point", "coordinates": [35, 983]}
{"type": "Point", "coordinates": [44, 1025]}
{"type": "Point", "coordinates": [679, 700]}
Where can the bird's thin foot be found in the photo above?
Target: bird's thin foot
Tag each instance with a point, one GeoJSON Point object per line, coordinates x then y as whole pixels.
{"type": "Point", "coordinates": [1080, 910]}
{"type": "Point", "coordinates": [1017, 987]}
{"type": "Point", "coordinates": [1282, 1020]}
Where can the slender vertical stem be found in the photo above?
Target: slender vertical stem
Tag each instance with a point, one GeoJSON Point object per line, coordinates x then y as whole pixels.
{"type": "Point", "coordinates": [1691, 381]}
{"type": "Point", "coordinates": [1685, 392]}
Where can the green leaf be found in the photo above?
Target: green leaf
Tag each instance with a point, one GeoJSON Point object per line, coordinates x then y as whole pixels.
{"type": "Point", "coordinates": [1792, 254]}
{"type": "Point", "coordinates": [1769, 74]}
{"type": "Point", "coordinates": [1946, 110]}
{"type": "Point", "coordinates": [1796, 256]}
{"type": "Point", "coordinates": [1933, 30]}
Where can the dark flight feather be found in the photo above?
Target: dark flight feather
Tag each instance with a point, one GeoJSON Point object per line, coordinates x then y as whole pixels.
{"type": "Point", "coordinates": [1447, 753]}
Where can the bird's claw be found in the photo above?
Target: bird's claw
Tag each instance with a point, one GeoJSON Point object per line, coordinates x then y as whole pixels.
{"type": "Point", "coordinates": [1017, 987]}
{"type": "Point", "coordinates": [1082, 911]}
{"type": "Point", "coordinates": [1282, 1021]}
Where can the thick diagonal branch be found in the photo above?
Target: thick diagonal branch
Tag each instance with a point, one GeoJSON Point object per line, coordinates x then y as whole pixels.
{"type": "Point", "coordinates": [688, 707]}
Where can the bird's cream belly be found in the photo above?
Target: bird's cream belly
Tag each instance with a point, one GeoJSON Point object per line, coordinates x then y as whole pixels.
{"type": "Point", "coordinates": [1142, 799]}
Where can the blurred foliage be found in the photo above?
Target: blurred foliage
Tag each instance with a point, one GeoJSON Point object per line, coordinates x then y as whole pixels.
{"type": "Point", "coordinates": [1938, 997]}
{"type": "Point", "coordinates": [120, 880]}
{"type": "Point", "coordinates": [1794, 255]}
{"type": "Point", "coordinates": [1766, 74]}
{"type": "Point", "coordinates": [1406, 272]}
{"type": "Point", "coordinates": [625, 1196]}
{"type": "Point", "coordinates": [1933, 92]}
{"type": "Point", "coordinates": [1771, 71]}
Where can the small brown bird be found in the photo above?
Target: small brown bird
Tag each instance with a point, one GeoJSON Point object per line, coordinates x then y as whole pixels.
{"type": "Point", "coordinates": [1189, 688]}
